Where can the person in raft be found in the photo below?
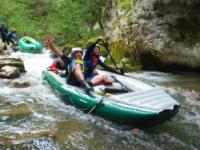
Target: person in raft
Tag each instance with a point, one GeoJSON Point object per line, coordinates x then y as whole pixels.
{"type": "Point", "coordinates": [58, 67]}
{"type": "Point", "coordinates": [74, 65]}
{"type": "Point", "coordinates": [91, 60]}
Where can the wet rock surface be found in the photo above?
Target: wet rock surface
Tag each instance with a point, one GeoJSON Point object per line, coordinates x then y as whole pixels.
{"type": "Point", "coordinates": [11, 67]}
{"type": "Point", "coordinates": [19, 84]}
{"type": "Point", "coordinates": [9, 61]}
{"type": "Point", "coordinates": [26, 140]}
{"type": "Point", "coordinates": [9, 72]}
{"type": "Point", "coordinates": [163, 34]}
{"type": "Point", "coordinates": [18, 110]}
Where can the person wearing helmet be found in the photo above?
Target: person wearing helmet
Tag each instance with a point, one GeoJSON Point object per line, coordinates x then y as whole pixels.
{"type": "Point", "coordinates": [74, 65]}
{"type": "Point", "coordinates": [92, 59]}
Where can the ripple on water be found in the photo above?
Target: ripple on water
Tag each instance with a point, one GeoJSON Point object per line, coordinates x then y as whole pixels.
{"type": "Point", "coordinates": [76, 130]}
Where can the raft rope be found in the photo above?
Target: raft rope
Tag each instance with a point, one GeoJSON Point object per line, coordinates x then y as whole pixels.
{"type": "Point", "coordinates": [96, 105]}
{"type": "Point", "coordinates": [90, 110]}
{"type": "Point", "coordinates": [71, 100]}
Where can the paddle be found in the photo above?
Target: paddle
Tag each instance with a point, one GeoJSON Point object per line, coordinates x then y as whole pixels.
{"type": "Point", "coordinates": [113, 61]}
{"type": "Point", "coordinates": [106, 47]}
{"type": "Point", "coordinates": [127, 88]}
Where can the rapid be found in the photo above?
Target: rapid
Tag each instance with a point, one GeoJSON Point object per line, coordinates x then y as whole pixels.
{"type": "Point", "coordinates": [35, 118]}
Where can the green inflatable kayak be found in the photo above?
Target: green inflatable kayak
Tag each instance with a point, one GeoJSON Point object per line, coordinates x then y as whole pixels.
{"type": "Point", "coordinates": [135, 103]}
{"type": "Point", "coordinates": [30, 45]}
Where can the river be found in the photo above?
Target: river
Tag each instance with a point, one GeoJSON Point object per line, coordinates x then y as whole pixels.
{"type": "Point", "coordinates": [34, 118]}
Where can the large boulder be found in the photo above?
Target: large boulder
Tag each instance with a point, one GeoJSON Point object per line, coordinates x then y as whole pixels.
{"type": "Point", "coordinates": [9, 72]}
{"type": "Point", "coordinates": [8, 61]}
{"type": "Point", "coordinates": [164, 34]}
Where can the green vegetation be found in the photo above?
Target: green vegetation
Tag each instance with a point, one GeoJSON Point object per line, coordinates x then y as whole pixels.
{"type": "Point", "coordinates": [70, 22]}
{"type": "Point", "coordinates": [126, 5]}
{"type": "Point", "coordinates": [67, 20]}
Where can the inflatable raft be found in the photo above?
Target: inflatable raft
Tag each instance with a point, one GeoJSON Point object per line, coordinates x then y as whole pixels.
{"type": "Point", "coordinates": [30, 45]}
{"type": "Point", "coordinates": [127, 101]}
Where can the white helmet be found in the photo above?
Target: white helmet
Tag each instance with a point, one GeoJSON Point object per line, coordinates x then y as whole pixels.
{"type": "Point", "coordinates": [97, 45]}
{"type": "Point", "coordinates": [76, 49]}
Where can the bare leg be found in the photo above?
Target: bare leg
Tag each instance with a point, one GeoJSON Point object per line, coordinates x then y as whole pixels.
{"type": "Point", "coordinates": [78, 73]}
{"type": "Point", "coordinates": [79, 76]}
{"type": "Point", "coordinates": [98, 78]}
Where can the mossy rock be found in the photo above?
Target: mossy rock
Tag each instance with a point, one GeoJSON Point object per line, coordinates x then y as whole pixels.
{"type": "Point", "coordinates": [16, 62]}
{"type": "Point", "coordinates": [9, 72]}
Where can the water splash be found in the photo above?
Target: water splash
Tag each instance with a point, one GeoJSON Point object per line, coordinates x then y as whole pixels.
{"type": "Point", "coordinates": [43, 110]}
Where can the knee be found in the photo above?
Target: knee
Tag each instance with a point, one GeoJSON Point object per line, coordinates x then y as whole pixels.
{"type": "Point", "coordinates": [104, 77]}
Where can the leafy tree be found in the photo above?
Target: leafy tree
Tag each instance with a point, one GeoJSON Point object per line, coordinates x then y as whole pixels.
{"type": "Point", "coordinates": [68, 20]}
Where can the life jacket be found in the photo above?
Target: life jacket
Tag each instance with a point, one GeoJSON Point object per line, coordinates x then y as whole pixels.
{"type": "Point", "coordinates": [91, 64]}
{"type": "Point", "coordinates": [95, 60]}
{"type": "Point", "coordinates": [71, 79]}
{"type": "Point", "coordinates": [11, 35]}
{"type": "Point", "coordinates": [73, 64]}
{"type": "Point", "coordinates": [53, 67]}
{"type": "Point", "coordinates": [56, 65]}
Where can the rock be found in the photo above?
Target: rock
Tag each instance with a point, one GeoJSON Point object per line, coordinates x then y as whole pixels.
{"type": "Point", "coordinates": [15, 48]}
{"type": "Point", "coordinates": [135, 131]}
{"type": "Point", "coordinates": [4, 47]}
{"type": "Point", "coordinates": [198, 96]}
{"type": "Point", "coordinates": [2, 51]}
{"type": "Point", "coordinates": [9, 61]}
{"type": "Point", "coordinates": [15, 110]}
{"type": "Point", "coordinates": [9, 72]}
{"type": "Point", "coordinates": [162, 34]}
{"type": "Point", "coordinates": [19, 84]}
{"type": "Point", "coordinates": [8, 139]}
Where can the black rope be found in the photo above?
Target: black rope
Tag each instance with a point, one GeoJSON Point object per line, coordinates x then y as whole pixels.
{"type": "Point", "coordinates": [96, 106]}
{"type": "Point", "coordinates": [71, 100]}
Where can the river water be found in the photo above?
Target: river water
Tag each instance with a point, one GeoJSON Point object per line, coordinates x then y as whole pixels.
{"type": "Point", "coordinates": [34, 118]}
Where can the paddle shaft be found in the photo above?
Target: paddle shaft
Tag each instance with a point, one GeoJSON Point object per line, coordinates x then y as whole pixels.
{"type": "Point", "coordinates": [127, 88]}
{"type": "Point", "coordinates": [113, 61]}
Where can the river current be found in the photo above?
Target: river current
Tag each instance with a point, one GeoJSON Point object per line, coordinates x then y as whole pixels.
{"type": "Point", "coordinates": [35, 118]}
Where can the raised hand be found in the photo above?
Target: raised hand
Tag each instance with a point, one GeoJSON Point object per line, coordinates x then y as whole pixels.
{"type": "Point", "coordinates": [49, 41]}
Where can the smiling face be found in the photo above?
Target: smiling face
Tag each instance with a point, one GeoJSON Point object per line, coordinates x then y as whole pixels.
{"type": "Point", "coordinates": [78, 55]}
{"type": "Point", "coordinates": [96, 51]}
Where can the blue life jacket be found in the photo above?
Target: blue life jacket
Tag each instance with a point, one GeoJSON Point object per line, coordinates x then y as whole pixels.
{"type": "Point", "coordinates": [11, 35]}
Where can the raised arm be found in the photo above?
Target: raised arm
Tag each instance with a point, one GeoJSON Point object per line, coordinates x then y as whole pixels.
{"type": "Point", "coordinates": [52, 47]}
{"type": "Point", "coordinates": [90, 50]}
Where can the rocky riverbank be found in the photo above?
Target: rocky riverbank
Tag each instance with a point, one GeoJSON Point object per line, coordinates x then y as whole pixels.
{"type": "Point", "coordinates": [159, 35]}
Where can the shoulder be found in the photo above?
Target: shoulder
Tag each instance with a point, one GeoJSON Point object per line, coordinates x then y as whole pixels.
{"type": "Point", "coordinates": [64, 57]}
